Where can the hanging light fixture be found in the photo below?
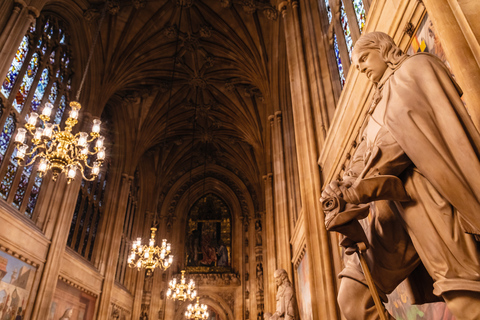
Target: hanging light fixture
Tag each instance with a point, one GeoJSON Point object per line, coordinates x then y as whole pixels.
{"type": "Point", "coordinates": [197, 311]}
{"type": "Point", "coordinates": [151, 256]}
{"type": "Point", "coordinates": [61, 151]}
{"type": "Point", "coordinates": [181, 290]}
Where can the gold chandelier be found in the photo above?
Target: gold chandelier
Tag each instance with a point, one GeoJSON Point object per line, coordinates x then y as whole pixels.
{"type": "Point", "coordinates": [197, 311]}
{"type": "Point", "coordinates": [151, 256]}
{"type": "Point", "coordinates": [60, 151]}
{"type": "Point", "coordinates": [181, 290]}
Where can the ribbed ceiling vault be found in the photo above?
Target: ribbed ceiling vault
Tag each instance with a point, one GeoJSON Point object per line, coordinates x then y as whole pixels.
{"type": "Point", "coordinates": [221, 86]}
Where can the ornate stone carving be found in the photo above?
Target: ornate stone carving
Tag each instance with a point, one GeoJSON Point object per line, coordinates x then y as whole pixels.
{"type": "Point", "coordinates": [184, 3]}
{"type": "Point", "coordinates": [170, 31]}
{"type": "Point", "coordinates": [139, 3]}
{"type": "Point", "coordinates": [205, 31]}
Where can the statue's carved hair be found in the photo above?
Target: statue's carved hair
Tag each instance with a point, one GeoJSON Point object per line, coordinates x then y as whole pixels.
{"type": "Point", "coordinates": [391, 54]}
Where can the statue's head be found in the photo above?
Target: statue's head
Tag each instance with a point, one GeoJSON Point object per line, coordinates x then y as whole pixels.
{"type": "Point", "coordinates": [68, 313]}
{"type": "Point", "coordinates": [374, 52]}
{"type": "Point", "coordinates": [280, 275]}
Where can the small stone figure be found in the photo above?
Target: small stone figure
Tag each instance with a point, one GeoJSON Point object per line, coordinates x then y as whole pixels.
{"type": "Point", "coordinates": [259, 277]}
{"type": "Point", "coordinates": [286, 303]}
{"type": "Point", "coordinates": [67, 314]}
{"type": "Point", "coordinates": [258, 233]}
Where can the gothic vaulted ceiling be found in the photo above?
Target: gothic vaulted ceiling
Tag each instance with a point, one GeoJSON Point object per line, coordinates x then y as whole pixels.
{"type": "Point", "coordinates": [224, 57]}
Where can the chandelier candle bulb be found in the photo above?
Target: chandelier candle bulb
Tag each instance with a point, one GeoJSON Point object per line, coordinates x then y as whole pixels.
{"type": "Point", "coordinates": [74, 113]}
{"type": "Point", "coordinates": [101, 154]}
{"type": "Point", "coordinates": [21, 151]}
{"type": "Point", "coordinates": [42, 166]}
{"type": "Point", "coordinates": [38, 134]}
{"type": "Point", "coordinates": [82, 139]}
{"type": "Point", "coordinates": [47, 110]}
{"type": "Point", "coordinates": [96, 126]}
{"type": "Point", "coordinates": [96, 167]}
{"type": "Point", "coordinates": [99, 143]}
{"type": "Point", "coordinates": [20, 137]}
{"type": "Point", "coordinates": [32, 119]}
{"type": "Point", "coordinates": [48, 131]}
{"type": "Point", "coordinates": [72, 171]}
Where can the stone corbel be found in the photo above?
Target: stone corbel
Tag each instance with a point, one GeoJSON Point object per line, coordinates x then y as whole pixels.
{"type": "Point", "coordinates": [282, 8]}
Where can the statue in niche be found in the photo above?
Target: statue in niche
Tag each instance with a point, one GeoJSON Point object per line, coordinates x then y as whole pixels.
{"type": "Point", "coordinates": [416, 171]}
{"type": "Point", "coordinates": [67, 314]}
{"type": "Point", "coordinates": [259, 277]}
{"type": "Point", "coordinates": [286, 303]}
{"type": "Point", "coordinates": [258, 233]}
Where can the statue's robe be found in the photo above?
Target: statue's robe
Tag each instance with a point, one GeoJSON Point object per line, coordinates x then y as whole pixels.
{"type": "Point", "coordinates": [429, 121]}
{"type": "Point", "coordinates": [423, 135]}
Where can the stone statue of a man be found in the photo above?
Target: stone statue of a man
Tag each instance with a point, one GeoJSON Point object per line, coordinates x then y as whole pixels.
{"type": "Point", "coordinates": [417, 170]}
{"type": "Point", "coordinates": [286, 302]}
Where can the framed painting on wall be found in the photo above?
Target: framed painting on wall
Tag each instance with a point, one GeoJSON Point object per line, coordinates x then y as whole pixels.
{"type": "Point", "coordinates": [71, 303]}
{"type": "Point", "coordinates": [16, 280]}
{"type": "Point", "coordinates": [304, 297]}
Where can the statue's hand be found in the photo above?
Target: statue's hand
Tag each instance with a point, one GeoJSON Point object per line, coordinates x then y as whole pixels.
{"type": "Point", "coordinates": [335, 189]}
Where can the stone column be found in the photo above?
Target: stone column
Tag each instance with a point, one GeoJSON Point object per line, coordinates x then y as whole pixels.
{"type": "Point", "coordinates": [271, 263]}
{"type": "Point", "coordinates": [462, 50]}
{"type": "Point", "coordinates": [322, 279]}
{"type": "Point", "coordinates": [62, 201]}
{"type": "Point", "coordinates": [114, 229]}
{"type": "Point", "coordinates": [282, 227]}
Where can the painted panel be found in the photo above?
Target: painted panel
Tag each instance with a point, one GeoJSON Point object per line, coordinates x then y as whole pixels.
{"type": "Point", "coordinates": [71, 303]}
{"type": "Point", "coordinates": [400, 307]}
{"type": "Point", "coordinates": [304, 296]}
{"type": "Point", "coordinates": [15, 287]}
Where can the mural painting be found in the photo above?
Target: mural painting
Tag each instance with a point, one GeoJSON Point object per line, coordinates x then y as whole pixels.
{"type": "Point", "coordinates": [401, 308]}
{"type": "Point", "coordinates": [426, 40]}
{"type": "Point", "coordinates": [16, 280]}
{"type": "Point", "coordinates": [209, 240]}
{"type": "Point", "coordinates": [71, 303]}
{"type": "Point", "coordinates": [303, 283]}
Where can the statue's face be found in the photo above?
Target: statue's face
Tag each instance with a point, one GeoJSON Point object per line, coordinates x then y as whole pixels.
{"type": "Point", "coordinates": [278, 281]}
{"type": "Point", "coordinates": [370, 62]}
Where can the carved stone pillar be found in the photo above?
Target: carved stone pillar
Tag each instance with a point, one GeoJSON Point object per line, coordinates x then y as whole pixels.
{"type": "Point", "coordinates": [322, 279]}
{"type": "Point", "coordinates": [282, 227]}
{"type": "Point", "coordinates": [271, 262]}
{"type": "Point", "coordinates": [62, 200]}
{"type": "Point", "coordinates": [461, 47]}
{"type": "Point", "coordinates": [115, 223]}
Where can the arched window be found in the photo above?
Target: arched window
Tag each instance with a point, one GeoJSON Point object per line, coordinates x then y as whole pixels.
{"type": "Point", "coordinates": [345, 24]}
{"type": "Point", "coordinates": [40, 72]}
{"type": "Point", "coordinates": [90, 204]}
{"type": "Point", "coordinates": [209, 236]}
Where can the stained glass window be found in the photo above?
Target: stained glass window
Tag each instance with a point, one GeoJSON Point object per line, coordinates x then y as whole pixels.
{"type": "Point", "coordinates": [35, 76]}
{"type": "Point", "coordinates": [40, 91]}
{"type": "Point", "coordinates": [346, 29]}
{"type": "Point", "coordinates": [338, 22]}
{"type": "Point", "coordinates": [27, 81]}
{"type": "Point", "coordinates": [209, 236]}
{"type": "Point", "coordinates": [89, 209]}
{"type": "Point", "coordinates": [60, 110]}
{"type": "Point", "coordinates": [329, 11]}
{"type": "Point", "coordinates": [360, 13]}
{"type": "Point", "coordinates": [339, 60]}
{"type": "Point", "coordinates": [6, 135]}
{"type": "Point", "coordinates": [14, 70]}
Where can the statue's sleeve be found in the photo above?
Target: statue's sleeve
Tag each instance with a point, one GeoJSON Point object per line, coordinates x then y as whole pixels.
{"type": "Point", "coordinates": [357, 164]}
